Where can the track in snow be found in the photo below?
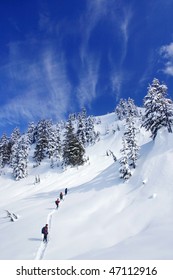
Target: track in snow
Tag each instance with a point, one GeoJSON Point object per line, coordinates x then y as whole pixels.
{"type": "Point", "coordinates": [42, 248]}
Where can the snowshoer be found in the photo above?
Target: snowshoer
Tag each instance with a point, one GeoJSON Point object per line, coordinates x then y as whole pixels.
{"type": "Point", "coordinates": [45, 232]}
{"type": "Point", "coordinates": [57, 202]}
{"type": "Point", "coordinates": [65, 191]}
{"type": "Point", "coordinates": [61, 196]}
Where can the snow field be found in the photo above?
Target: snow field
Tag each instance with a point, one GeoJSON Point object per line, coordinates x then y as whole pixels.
{"type": "Point", "coordinates": [101, 217]}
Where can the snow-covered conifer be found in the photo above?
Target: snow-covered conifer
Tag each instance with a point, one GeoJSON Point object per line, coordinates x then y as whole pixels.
{"type": "Point", "coordinates": [73, 150]}
{"type": "Point", "coordinates": [15, 135]}
{"type": "Point", "coordinates": [124, 170]}
{"type": "Point", "coordinates": [20, 158]}
{"type": "Point", "coordinates": [132, 110]}
{"type": "Point", "coordinates": [54, 145]}
{"type": "Point", "coordinates": [42, 138]}
{"type": "Point", "coordinates": [121, 109]}
{"type": "Point", "coordinates": [126, 108]}
{"type": "Point", "coordinates": [31, 133]}
{"type": "Point", "coordinates": [158, 109]}
{"type": "Point", "coordinates": [90, 133]}
{"type": "Point", "coordinates": [81, 130]}
{"type": "Point", "coordinates": [130, 137]}
{"type": "Point", "coordinates": [5, 150]}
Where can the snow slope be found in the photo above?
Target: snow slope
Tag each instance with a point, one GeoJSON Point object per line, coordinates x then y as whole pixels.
{"type": "Point", "coordinates": [101, 217]}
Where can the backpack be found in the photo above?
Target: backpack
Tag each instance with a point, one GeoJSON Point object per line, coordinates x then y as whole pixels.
{"type": "Point", "coordinates": [42, 231]}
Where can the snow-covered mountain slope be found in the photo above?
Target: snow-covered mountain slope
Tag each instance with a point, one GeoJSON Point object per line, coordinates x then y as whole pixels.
{"type": "Point", "coordinates": [101, 217]}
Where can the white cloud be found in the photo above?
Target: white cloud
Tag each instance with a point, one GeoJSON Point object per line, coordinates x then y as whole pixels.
{"type": "Point", "coordinates": [57, 83]}
{"type": "Point", "coordinates": [37, 88]}
{"type": "Point", "coordinates": [124, 27]}
{"type": "Point", "coordinates": [107, 10]}
{"type": "Point", "coordinates": [167, 53]}
{"type": "Point", "coordinates": [117, 81]}
{"type": "Point", "coordinates": [86, 91]}
{"type": "Point", "coordinates": [167, 50]}
{"type": "Point", "coordinates": [169, 68]}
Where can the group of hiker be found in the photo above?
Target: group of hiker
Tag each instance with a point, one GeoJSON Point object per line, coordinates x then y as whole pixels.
{"type": "Point", "coordinates": [57, 202]}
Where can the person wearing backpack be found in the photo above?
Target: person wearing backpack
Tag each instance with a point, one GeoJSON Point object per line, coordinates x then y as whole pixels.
{"type": "Point", "coordinates": [45, 232]}
{"type": "Point", "coordinates": [61, 196]}
{"type": "Point", "coordinates": [57, 202]}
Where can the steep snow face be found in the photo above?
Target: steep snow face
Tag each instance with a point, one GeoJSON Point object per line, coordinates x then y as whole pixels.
{"type": "Point", "coordinates": [101, 217]}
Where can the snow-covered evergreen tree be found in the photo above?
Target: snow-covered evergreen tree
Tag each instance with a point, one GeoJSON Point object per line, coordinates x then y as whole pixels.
{"type": "Point", "coordinates": [54, 145]}
{"type": "Point", "coordinates": [81, 130]}
{"type": "Point", "coordinates": [42, 139]}
{"type": "Point", "coordinates": [121, 109]}
{"type": "Point", "coordinates": [73, 150]}
{"type": "Point", "coordinates": [126, 108]}
{"type": "Point", "coordinates": [20, 158]}
{"type": "Point", "coordinates": [58, 142]}
{"type": "Point", "coordinates": [15, 135]}
{"type": "Point", "coordinates": [124, 170]}
{"type": "Point", "coordinates": [90, 133]}
{"type": "Point", "coordinates": [158, 109]}
{"type": "Point", "coordinates": [5, 150]}
{"type": "Point", "coordinates": [132, 110]}
{"type": "Point", "coordinates": [130, 137]}
{"type": "Point", "coordinates": [31, 133]}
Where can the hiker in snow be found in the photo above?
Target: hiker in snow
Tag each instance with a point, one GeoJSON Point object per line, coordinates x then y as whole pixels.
{"type": "Point", "coordinates": [57, 202]}
{"type": "Point", "coordinates": [65, 191]}
{"type": "Point", "coordinates": [45, 232]}
{"type": "Point", "coordinates": [61, 196]}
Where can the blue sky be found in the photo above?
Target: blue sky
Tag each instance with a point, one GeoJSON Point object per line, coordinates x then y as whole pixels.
{"type": "Point", "coordinates": [57, 56]}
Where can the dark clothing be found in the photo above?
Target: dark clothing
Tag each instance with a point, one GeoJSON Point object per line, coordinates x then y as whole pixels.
{"type": "Point", "coordinates": [57, 202]}
{"type": "Point", "coordinates": [45, 233]}
{"type": "Point", "coordinates": [65, 191]}
{"type": "Point", "coordinates": [61, 196]}
{"type": "Point", "coordinates": [45, 238]}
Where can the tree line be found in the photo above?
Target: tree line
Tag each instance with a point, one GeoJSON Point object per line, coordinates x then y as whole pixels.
{"type": "Point", "coordinates": [63, 144]}
{"type": "Point", "coordinates": [158, 113]}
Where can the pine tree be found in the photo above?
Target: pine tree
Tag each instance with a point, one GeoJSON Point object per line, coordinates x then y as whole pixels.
{"type": "Point", "coordinates": [81, 126]}
{"type": "Point", "coordinates": [20, 158]}
{"type": "Point", "coordinates": [42, 137]}
{"type": "Point", "coordinates": [73, 151]}
{"type": "Point", "coordinates": [130, 137]}
{"type": "Point", "coordinates": [124, 170]}
{"type": "Point", "coordinates": [132, 110]}
{"type": "Point", "coordinates": [121, 109]}
{"type": "Point", "coordinates": [158, 109]}
{"type": "Point", "coordinates": [31, 133]}
{"type": "Point", "coordinates": [15, 135]}
{"type": "Point", "coordinates": [90, 133]}
{"type": "Point", "coordinates": [58, 144]}
{"type": "Point", "coordinates": [81, 130]}
{"type": "Point", "coordinates": [126, 108]}
{"type": "Point", "coordinates": [54, 145]}
{"type": "Point", "coordinates": [5, 150]}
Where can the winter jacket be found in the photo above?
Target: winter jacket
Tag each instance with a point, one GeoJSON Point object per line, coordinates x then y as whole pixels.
{"type": "Point", "coordinates": [45, 230]}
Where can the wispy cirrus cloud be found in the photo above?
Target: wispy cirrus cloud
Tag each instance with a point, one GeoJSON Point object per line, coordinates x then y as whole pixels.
{"type": "Point", "coordinates": [86, 90]}
{"type": "Point", "coordinates": [38, 87]}
{"type": "Point", "coordinates": [117, 81]}
{"type": "Point", "coordinates": [119, 74]}
{"type": "Point", "coordinates": [119, 17]}
{"type": "Point", "coordinates": [166, 52]}
{"type": "Point", "coordinates": [125, 29]}
{"type": "Point", "coordinates": [37, 78]}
